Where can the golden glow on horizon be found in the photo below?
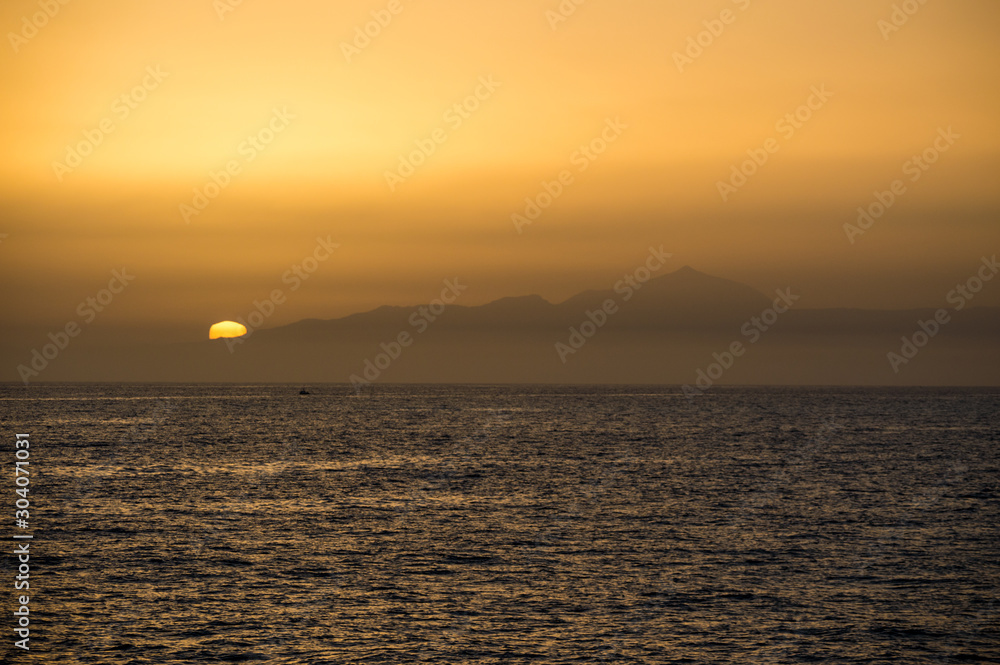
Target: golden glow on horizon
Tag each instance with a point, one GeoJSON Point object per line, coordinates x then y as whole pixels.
{"type": "Point", "coordinates": [227, 329]}
{"type": "Point", "coordinates": [218, 147]}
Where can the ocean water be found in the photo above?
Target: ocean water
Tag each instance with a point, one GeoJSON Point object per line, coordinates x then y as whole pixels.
{"type": "Point", "coordinates": [457, 524]}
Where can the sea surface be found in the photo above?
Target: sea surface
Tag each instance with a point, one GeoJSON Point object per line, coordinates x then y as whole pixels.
{"type": "Point", "coordinates": [479, 524]}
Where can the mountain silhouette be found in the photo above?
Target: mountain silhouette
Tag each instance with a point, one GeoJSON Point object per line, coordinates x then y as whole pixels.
{"type": "Point", "coordinates": [663, 331]}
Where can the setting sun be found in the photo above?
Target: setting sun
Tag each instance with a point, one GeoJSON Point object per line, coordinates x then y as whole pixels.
{"type": "Point", "coordinates": [226, 329]}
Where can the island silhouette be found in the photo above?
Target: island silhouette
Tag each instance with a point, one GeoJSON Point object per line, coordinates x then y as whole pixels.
{"type": "Point", "coordinates": [680, 328]}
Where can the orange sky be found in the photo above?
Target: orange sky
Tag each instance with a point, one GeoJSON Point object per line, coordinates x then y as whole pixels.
{"type": "Point", "coordinates": [279, 70]}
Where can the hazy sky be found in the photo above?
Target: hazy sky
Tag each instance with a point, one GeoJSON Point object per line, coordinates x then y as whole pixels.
{"type": "Point", "coordinates": [183, 85]}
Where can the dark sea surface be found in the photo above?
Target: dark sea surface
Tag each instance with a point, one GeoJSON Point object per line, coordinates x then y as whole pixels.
{"type": "Point", "coordinates": [437, 524]}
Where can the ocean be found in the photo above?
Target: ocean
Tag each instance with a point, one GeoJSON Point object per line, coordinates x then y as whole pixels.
{"type": "Point", "coordinates": [505, 524]}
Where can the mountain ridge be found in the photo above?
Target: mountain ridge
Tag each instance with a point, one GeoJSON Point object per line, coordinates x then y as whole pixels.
{"type": "Point", "coordinates": [665, 331]}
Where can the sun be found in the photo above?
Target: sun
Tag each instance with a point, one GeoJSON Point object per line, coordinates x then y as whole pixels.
{"type": "Point", "coordinates": [226, 329]}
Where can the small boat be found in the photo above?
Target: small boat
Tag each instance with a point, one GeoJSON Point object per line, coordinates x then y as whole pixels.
{"type": "Point", "coordinates": [304, 392]}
